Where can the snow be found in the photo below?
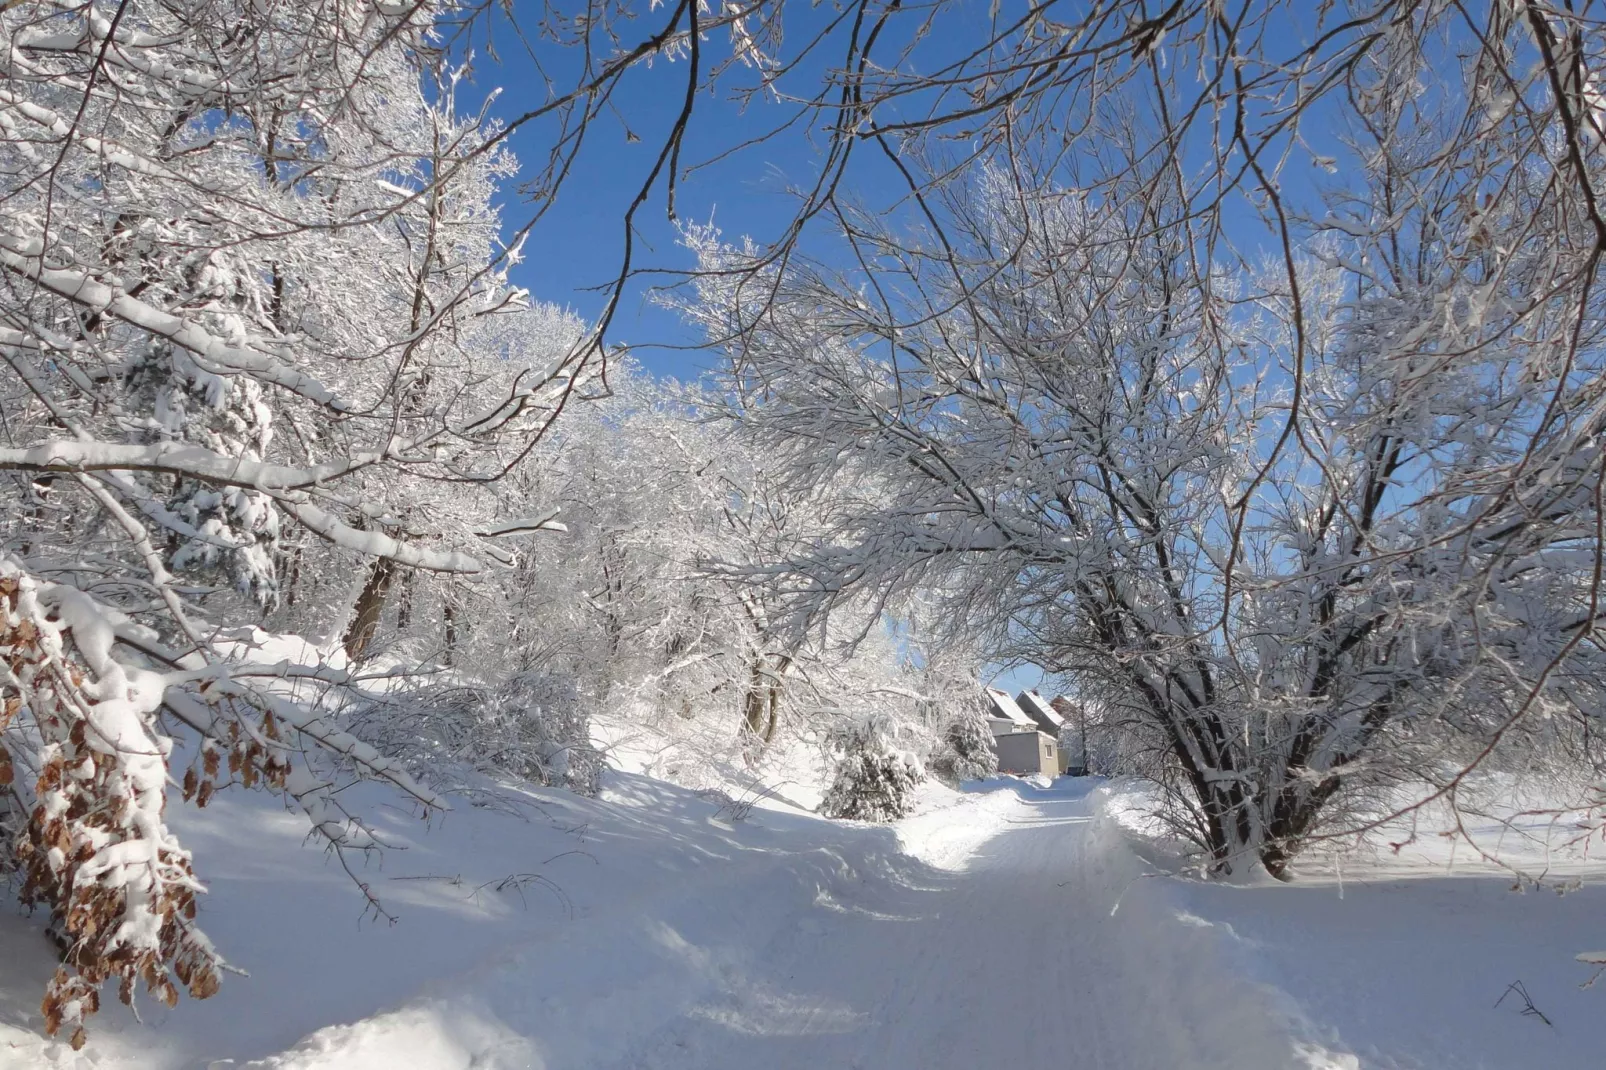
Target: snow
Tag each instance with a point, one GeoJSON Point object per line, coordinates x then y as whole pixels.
{"type": "Point", "coordinates": [948, 827]}
{"type": "Point", "coordinates": [1005, 709]}
{"type": "Point", "coordinates": [1397, 959]}
{"type": "Point", "coordinates": [1408, 972]}
{"type": "Point", "coordinates": [1011, 923]}
{"type": "Point", "coordinates": [1037, 708]}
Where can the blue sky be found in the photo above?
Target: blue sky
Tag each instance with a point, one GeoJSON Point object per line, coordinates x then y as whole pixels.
{"type": "Point", "coordinates": [573, 255]}
{"type": "Point", "coordinates": [576, 248]}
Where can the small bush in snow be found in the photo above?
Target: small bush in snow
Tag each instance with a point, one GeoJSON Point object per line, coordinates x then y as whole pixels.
{"type": "Point", "coordinates": [968, 752]}
{"type": "Point", "coordinates": [874, 780]}
{"type": "Point", "coordinates": [550, 736]}
{"type": "Point", "coordinates": [531, 725]}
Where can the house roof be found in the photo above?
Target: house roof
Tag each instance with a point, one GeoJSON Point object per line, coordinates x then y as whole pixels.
{"type": "Point", "coordinates": [1064, 706]}
{"type": "Point", "coordinates": [1038, 709]}
{"type": "Point", "coordinates": [1004, 707]}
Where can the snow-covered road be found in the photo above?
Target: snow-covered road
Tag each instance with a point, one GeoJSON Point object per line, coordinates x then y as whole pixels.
{"type": "Point", "coordinates": [981, 933]}
{"type": "Point", "coordinates": [1016, 960]}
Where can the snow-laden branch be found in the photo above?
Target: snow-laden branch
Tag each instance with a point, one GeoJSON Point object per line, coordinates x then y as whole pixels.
{"type": "Point", "coordinates": [377, 543]}
{"type": "Point", "coordinates": [178, 458]}
{"type": "Point", "coordinates": [24, 257]}
{"type": "Point", "coordinates": [547, 521]}
{"type": "Point", "coordinates": [107, 150]}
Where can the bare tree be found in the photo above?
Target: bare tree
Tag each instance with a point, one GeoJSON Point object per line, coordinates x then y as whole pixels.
{"type": "Point", "coordinates": [1315, 509]}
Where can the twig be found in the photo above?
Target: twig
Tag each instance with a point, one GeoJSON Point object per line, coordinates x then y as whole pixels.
{"type": "Point", "coordinates": [1528, 1007]}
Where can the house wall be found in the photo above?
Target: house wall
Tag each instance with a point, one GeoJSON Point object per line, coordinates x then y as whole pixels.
{"type": "Point", "coordinates": [1053, 755]}
{"type": "Point", "coordinates": [1025, 753]}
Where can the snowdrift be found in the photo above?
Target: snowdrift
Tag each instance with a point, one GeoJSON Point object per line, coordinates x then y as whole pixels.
{"type": "Point", "coordinates": [536, 928]}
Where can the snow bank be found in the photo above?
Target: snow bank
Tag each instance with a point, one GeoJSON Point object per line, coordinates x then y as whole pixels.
{"type": "Point", "coordinates": [949, 826]}
{"type": "Point", "coordinates": [702, 754]}
{"type": "Point", "coordinates": [1427, 956]}
{"type": "Point", "coordinates": [537, 928]}
{"type": "Point", "coordinates": [659, 927]}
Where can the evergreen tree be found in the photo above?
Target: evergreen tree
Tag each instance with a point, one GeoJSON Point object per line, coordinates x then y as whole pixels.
{"type": "Point", "coordinates": [875, 781]}
{"type": "Point", "coordinates": [969, 753]}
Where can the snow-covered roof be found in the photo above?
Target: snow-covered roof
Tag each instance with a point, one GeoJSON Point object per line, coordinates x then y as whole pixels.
{"type": "Point", "coordinates": [1038, 709]}
{"type": "Point", "coordinates": [1004, 707]}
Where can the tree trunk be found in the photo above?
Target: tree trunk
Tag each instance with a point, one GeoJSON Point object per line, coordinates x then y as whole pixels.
{"type": "Point", "coordinates": [370, 606]}
{"type": "Point", "coordinates": [1081, 728]}
{"type": "Point", "coordinates": [1224, 800]}
{"type": "Point", "coordinates": [782, 664]}
{"type": "Point", "coordinates": [404, 601]}
{"type": "Point", "coordinates": [753, 699]}
{"type": "Point", "coordinates": [292, 577]}
{"type": "Point", "coordinates": [449, 614]}
{"type": "Point", "coordinates": [1230, 833]}
{"type": "Point", "coordinates": [1292, 818]}
{"type": "Point", "coordinates": [371, 602]}
{"type": "Point", "coordinates": [761, 704]}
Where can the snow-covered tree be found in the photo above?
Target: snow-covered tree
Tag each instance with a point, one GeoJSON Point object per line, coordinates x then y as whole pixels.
{"type": "Point", "coordinates": [1315, 521]}
{"type": "Point", "coordinates": [968, 753]}
{"type": "Point", "coordinates": [633, 612]}
{"type": "Point", "coordinates": [253, 291]}
{"type": "Point", "coordinates": [874, 778]}
{"type": "Point", "coordinates": [616, 603]}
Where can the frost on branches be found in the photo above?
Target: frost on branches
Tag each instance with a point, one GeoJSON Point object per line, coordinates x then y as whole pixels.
{"type": "Point", "coordinates": [1308, 523]}
{"type": "Point", "coordinates": [531, 724]}
{"type": "Point", "coordinates": [874, 780]}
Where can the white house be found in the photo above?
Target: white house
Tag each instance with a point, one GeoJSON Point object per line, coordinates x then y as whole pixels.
{"type": "Point", "coordinates": [1004, 716]}
{"type": "Point", "coordinates": [1049, 722]}
{"type": "Point", "coordinates": [1038, 709]}
{"type": "Point", "coordinates": [1023, 747]}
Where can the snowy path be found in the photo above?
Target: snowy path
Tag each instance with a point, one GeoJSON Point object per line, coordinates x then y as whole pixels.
{"type": "Point", "coordinates": [783, 942]}
{"type": "Point", "coordinates": [1015, 961]}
